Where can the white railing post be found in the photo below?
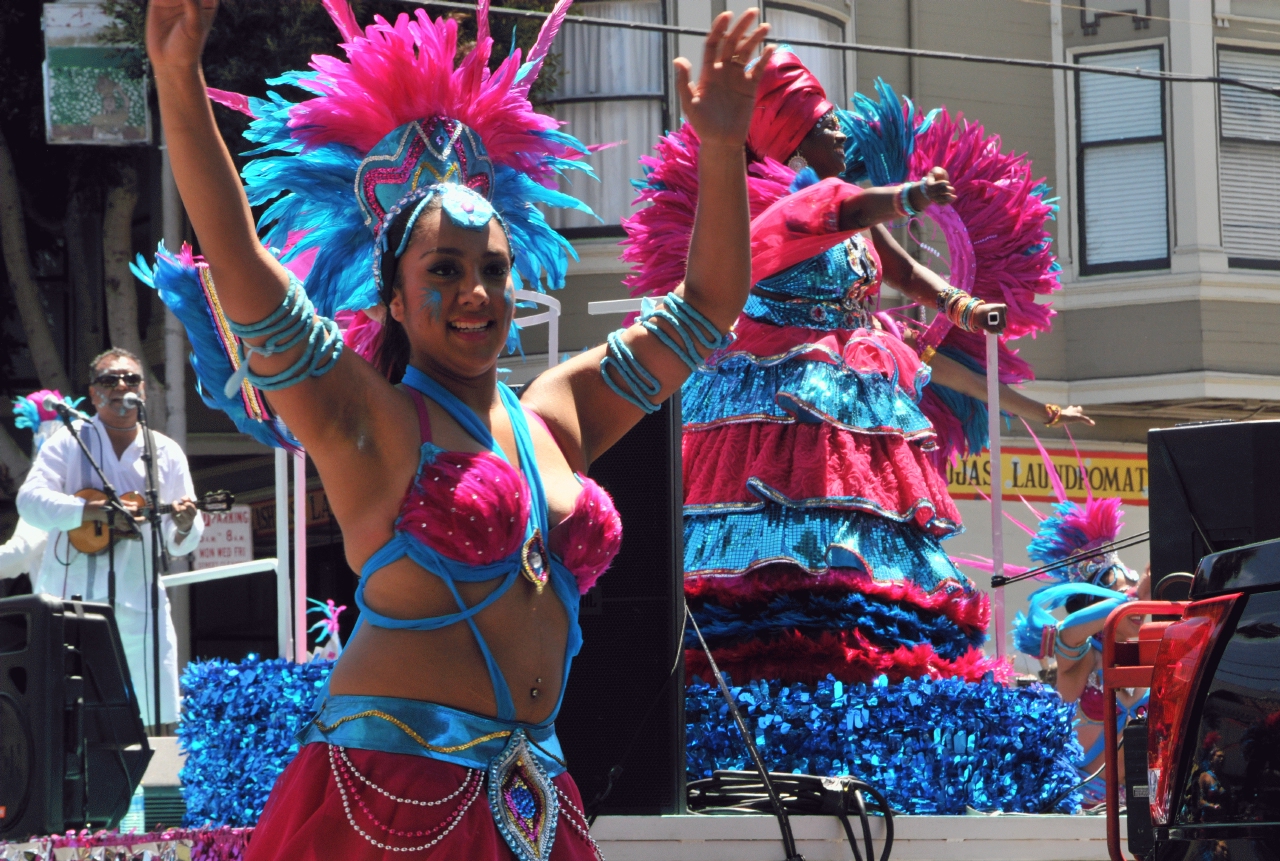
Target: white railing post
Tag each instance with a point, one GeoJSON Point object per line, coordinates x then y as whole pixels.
{"type": "Point", "coordinates": [300, 556]}
{"type": "Point", "coordinates": [997, 490]}
{"type": "Point", "coordinates": [284, 599]}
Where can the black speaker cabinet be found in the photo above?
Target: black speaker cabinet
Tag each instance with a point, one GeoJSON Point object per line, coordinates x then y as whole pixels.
{"type": "Point", "coordinates": [72, 746]}
{"type": "Point", "coordinates": [1226, 474]}
{"type": "Point", "coordinates": [622, 692]}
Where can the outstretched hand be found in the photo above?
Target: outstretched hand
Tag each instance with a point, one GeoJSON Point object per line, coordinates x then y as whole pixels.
{"type": "Point", "coordinates": [720, 104]}
{"type": "Point", "coordinates": [176, 31]}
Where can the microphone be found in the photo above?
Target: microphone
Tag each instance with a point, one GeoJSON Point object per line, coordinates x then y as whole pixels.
{"type": "Point", "coordinates": [64, 412]}
{"type": "Point", "coordinates": [132, 400]}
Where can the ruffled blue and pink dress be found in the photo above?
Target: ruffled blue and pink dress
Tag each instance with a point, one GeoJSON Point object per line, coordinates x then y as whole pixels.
{"type": "Point", "coordinates": [813, 511]}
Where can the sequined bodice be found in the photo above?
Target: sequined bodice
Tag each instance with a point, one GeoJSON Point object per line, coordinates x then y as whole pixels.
{"type": "Point", "coordinates": [832, 290]}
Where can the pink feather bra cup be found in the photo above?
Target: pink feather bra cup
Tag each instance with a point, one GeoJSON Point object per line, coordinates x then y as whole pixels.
{"type": "Point", "coordinates": [474, 506]}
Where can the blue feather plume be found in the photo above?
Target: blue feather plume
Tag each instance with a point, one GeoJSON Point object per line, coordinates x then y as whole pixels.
{"type": "Point", "coordinates": [879, 136]}
{"type": "Point", "coordinates": [178, 283]}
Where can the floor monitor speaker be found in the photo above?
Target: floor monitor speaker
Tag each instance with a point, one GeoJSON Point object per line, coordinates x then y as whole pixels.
{"type": "Point", "coordinates": [72, 746]}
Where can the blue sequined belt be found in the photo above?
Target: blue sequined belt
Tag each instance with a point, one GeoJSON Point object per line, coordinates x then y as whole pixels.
{"type": "Point", "coordinates": [822, 314]}
{"type": "Point", "coordinates": [519, 759]}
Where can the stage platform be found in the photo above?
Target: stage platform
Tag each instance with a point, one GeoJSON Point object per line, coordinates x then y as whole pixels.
{"type": "Point", "coordinates": [821, 838]}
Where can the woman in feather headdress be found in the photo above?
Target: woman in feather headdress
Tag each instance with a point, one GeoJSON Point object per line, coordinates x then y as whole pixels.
{"type": "Point", "coordinates": [411, 182]}
{"type": "Point", "coordinates": [813, 508]}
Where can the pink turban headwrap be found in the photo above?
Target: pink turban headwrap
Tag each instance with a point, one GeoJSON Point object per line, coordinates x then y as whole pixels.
{"type": "Point", "coordinates": [789, 103]}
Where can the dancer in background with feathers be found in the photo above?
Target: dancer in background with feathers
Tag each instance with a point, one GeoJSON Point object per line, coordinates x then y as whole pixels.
{"type": "Point", "coordinates": [814, 506]}
{"type": "Point", "coordinates": [410, 181]}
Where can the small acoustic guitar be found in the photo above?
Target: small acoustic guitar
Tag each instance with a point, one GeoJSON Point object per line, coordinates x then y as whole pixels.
{"type": "Point", "coordinates": [94, 537]}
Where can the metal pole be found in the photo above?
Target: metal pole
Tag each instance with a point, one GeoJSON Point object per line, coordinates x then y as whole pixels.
{"type": "Point", "coordinates": [997, 489]}
{"type": "Point", "coordinates": [300, 556]}
{"type": "Point", "coordinates": [284, 604]}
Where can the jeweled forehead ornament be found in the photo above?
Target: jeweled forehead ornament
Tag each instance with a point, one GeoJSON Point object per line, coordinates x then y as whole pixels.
{"type": "Point", "coordinates": [415, 164]}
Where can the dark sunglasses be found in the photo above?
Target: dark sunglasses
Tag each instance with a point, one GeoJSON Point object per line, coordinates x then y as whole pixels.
{"type": "Point", "coordinates": [110, 381]}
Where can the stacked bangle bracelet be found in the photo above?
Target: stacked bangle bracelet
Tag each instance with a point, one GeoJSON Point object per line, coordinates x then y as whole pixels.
{"type": "Point", "coordinates": [959, 307]}
{"type": "Point", "coordinates": [903, 200]}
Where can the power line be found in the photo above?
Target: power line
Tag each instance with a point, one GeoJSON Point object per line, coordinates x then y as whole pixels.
{"type": "Point", "coordinates": [1150, 75]}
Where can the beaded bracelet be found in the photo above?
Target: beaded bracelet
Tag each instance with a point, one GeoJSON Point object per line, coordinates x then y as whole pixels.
{"type": "Point", "coordinates": [293, 323]}
{"type": "Point", "coordinates": [689, 325]}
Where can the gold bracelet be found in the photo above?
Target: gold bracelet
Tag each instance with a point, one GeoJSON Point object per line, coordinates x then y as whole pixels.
{"type": "Point", "coordinates": [1055, 415]}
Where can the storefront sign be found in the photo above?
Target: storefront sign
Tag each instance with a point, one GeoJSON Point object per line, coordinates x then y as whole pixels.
{"type": "Point", "coordinates": [1107, 473]}
{"type": "Point", "coordinates": [264, 513]}
{"type": "Point", "coordinates": [227, 538]}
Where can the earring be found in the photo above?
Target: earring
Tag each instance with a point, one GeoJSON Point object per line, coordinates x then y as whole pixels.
{"type": "Point", "coordinates": [797, 163]}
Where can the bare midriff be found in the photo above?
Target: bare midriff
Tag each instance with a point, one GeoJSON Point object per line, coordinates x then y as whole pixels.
{"type": "Point", "coordinates": [527, 633]}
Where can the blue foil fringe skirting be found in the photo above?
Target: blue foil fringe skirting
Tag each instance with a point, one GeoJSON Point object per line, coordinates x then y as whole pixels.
{"type": "Point", "coordinates": [887, 624]}
{"type": "Point", "coordinates": [817, 540]}
{"type": "Point", "coordinates": [932, 746]}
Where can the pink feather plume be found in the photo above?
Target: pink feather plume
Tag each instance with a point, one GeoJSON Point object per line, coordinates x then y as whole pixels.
{"type": "Point", "coordinates": [657, 242]}
{"type": "Point", "coordinates": [342, 15]}
{"type": "Point", "coordinates": [401, 72]}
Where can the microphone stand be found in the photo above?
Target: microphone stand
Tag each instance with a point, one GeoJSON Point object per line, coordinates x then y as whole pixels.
{"type": "Point", "coordinates": [113, 502]}
{"type": "Point", "coordinates": [153, 517]}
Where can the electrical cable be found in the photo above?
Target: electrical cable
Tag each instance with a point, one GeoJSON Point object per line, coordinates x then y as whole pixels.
{"type": "Point", "coordinates": [1150, 75]}
{"type": "Point", "coordinates": [802, 795]}
{"type": "Point", "coordinates": [775, 804]}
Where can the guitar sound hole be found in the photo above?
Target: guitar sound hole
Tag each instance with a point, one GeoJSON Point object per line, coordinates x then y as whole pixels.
{"type": "Point", "coordinates": [97, 528]}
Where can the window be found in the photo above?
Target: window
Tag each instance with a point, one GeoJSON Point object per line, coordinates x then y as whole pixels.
{"type": "Point", "coordinates": [1122, 180]}
{"type": "Point", "coordinates": [1249, 161]}
{"type": "Point", "coordinates": [827, 64]}
{"type": "Point", "coordinates": [612, 90]}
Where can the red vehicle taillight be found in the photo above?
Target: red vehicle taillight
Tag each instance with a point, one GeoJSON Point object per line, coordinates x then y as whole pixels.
{"type": "Point", "coordinates": [1180, 663]}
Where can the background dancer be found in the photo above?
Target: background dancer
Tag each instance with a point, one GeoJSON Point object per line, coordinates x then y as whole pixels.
{"type": "Point", "coordinates": [453, 684]}
{"type": "Point", "coordinates": [814, 509]}
{"type": "Point", "coordinates": [1086, 591]}
{"type": "Point", "coordinates": [813, 512]}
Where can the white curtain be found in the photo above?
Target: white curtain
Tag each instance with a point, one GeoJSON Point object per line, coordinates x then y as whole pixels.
{"type": "Point", "coordinates": [1126, 206]}
{"type": "Point", "coordinates": [611, 91]}
{"type": "Point", "coordinates": [826, 63]}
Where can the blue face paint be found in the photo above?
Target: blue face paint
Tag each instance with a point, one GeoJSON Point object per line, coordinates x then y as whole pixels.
{"type": "Point", "coordinates": [431, 304]}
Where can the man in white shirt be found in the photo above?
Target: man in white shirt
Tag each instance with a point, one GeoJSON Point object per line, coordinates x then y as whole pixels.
{"type": "Point", "coordinates": [46, 501]}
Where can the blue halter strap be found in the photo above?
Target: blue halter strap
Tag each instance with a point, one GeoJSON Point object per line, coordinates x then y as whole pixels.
{"type": "Point", "coordinates": [451, 570]}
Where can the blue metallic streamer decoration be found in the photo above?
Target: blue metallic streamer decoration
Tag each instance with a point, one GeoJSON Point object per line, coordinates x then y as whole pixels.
{"type": "Point", "coordinates": [238, 728]}
{"type": "Point", "coordinates": [932, 746]}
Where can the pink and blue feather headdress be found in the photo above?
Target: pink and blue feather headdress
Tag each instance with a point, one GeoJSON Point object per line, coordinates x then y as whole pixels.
{"type": "Point", "coordinates": [396, 123]}
{"type": "Point", "coordinates": [399, 122]}
{"type": "Point", "coordinates": [1070, 532]}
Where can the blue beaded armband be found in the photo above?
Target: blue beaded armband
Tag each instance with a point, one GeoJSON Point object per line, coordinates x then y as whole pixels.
{"type": "Point", "coordinates": [688, 324]}
{"type": "Point", "coordinates": [1071, 653]}
{"type": "Point", "coordinates": [293, 323]}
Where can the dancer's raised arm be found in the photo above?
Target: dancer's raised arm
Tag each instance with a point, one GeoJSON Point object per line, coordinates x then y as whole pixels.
{"type": "Point", "coordinates": [591, 401]}
{"type": "Point", "coordinates": [251, 282]}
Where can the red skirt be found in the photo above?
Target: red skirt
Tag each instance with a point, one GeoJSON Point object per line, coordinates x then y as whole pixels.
{"type": "Point", "coordinates": [305, 818]}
